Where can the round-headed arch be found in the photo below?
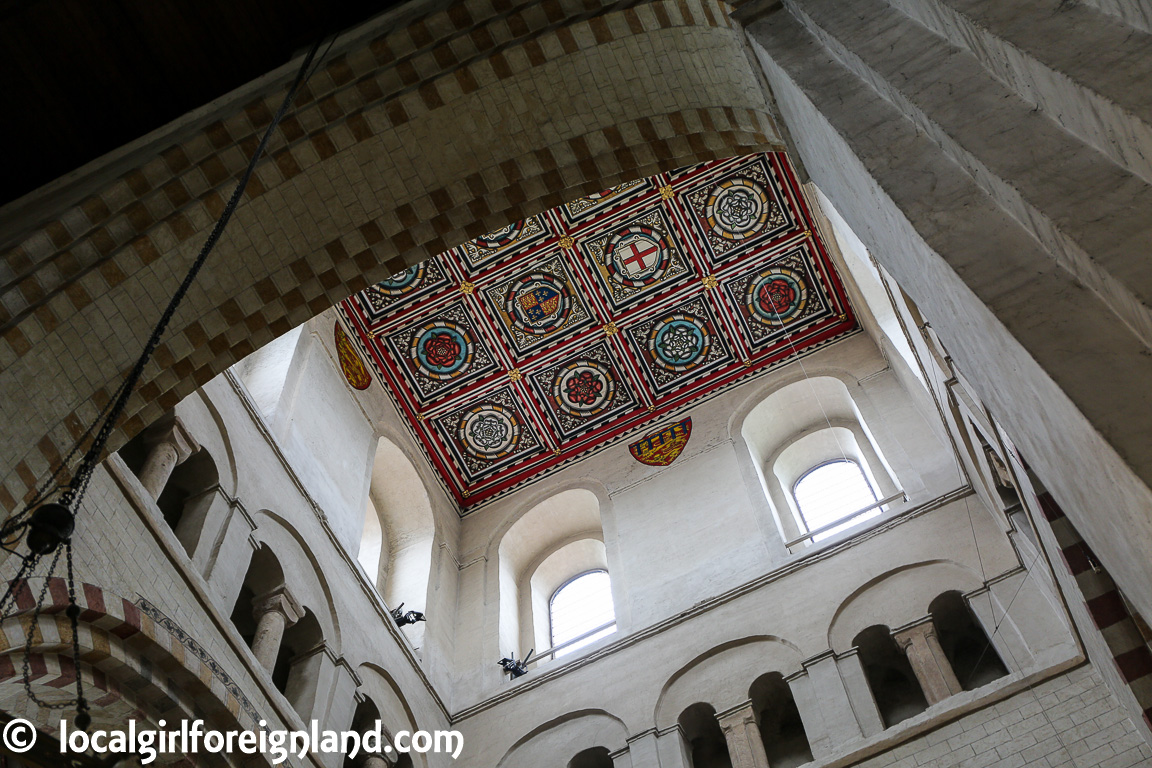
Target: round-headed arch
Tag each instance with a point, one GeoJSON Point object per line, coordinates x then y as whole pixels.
{"type": "Point", "coordinates": [371, 172]}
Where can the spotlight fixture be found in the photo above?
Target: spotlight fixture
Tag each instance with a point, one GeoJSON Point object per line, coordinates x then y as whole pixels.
{"type": "Point", "coordinates": [49, 526]}
{"type": "Point", "coordinates": [513, 667]}
{"type": "Point", "coordinates": [403, 619]}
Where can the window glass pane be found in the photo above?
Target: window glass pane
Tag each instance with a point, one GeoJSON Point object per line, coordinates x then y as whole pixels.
{"type": "Point", "coordinates": [581, 605]}
{"type": "Point", "coordinates": [831, 492]}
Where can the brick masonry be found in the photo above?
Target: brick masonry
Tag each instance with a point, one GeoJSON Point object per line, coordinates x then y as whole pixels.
{"type": "Point", "coordinates": [468, 118]}
{"type": "Point", "coordinates": [141, 663]}
{"type": "Point", "coordinates": [1072, 720]}
{"type": "Point", "coordinates": [1105, 605]}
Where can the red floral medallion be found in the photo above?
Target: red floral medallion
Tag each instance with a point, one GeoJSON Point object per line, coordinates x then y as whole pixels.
{"type": "Point", "coordinates": [584, 388]}
{"type": "Point", "coordinates": [777, 295]}
{"type": "Point", "coordinates": [441, 350]}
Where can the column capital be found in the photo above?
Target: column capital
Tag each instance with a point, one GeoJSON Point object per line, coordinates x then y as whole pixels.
{"type": "Point", "coordinates": [281, 601]}
{"type": "Point", "coordinates": [907, 634]}
{"type": "Point", "coordinates": [740, 714]}
{"type": "Point", "coordinates": [742, 733]}
{"type": "Point", "coordinates": [174, 434]}
{"type": "Point", "coordinates": [919, 643]}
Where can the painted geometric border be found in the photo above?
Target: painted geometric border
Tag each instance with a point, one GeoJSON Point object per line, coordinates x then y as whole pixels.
{"type": "Point", "coordinates": [506, 304]}
{"type": "Point", "coordinates": [383, 300]}
{"type": "Point", "coordinates": [504, 244]}
{"type": "Point", "coordinates": [656, 393]}
{"type": "Point", "coordinates": [552, 384]}
{"type": "Point", "coordinates": [746, 225]}
{"type": "Point", "coordinates": [583, 210]}
{"type": "Point", "coordinates": [454, 324]}
{"type": "Point", "coordinates": [790, 273]}
{"type": "Point", "coordinates": [653, 229]}
{"type": "Point", "coordinates": [679, 345]}
{"type": "Point", "coordinates": [499, 419]}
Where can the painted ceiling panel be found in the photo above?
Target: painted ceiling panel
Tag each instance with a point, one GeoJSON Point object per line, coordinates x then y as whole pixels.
{"type": "Point", "coordinates": [538, 344]}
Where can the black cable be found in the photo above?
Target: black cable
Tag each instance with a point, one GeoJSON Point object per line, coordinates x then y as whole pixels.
{"type": "Point", "coordinates": [75, 492]}
{"type": "Point", "coordinates": [106, 419]}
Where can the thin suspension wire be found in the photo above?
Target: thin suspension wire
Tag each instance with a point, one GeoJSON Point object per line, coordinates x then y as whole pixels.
{"type": "Point", "coordinates": [75, 491]}
{"type": "Point", "coordinates": [14, 526]}
{"type": "Point", "coordinates": [103, 426]}
{"type": "Point", "coordinates": [808, 379]}
{"type": "Point", "coordinates": [1031, 687]}
{"type": "Point", "coordinates": [930, 370]}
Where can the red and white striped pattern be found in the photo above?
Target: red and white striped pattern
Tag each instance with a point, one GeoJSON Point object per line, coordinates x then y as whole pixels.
{"type": "Point", "coordinates": [1108, 609]}
{"type": "Point", "coordinates": [132, 666]}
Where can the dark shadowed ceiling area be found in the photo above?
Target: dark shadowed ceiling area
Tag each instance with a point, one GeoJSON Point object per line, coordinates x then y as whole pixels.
{"type": "Point", "coordinates": [82, 77]}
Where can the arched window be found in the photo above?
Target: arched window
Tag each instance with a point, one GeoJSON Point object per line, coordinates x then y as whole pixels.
{"type": "Point", "coordinates": [831, 492]}
{"type": "Point", "coordinates": [580, 606]}
{"type": "Point", "coordinates": [398, 535]}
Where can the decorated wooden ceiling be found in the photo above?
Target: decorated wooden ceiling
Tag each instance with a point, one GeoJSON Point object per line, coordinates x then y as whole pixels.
{"type": "Point", "coordinates": [538, 344]}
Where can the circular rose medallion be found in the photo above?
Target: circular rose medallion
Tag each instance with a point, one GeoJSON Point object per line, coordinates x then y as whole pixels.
{"type": "Point", "coordinates": [678, 342]}
{"type": "Point", "coordinates": [402, 283]}
{"type": "Point", "coordinates": [441, 350]}
{"type": "Point", "coordinates": [637, 256]}
{"type": "Point", "coordinates": [489, 431]}
{"type": "Point", "coordinates": [501, 237]}
{"type": "Point", "coordinates": [583, 388]}
{"type": "Point", "coordinates": [538, 303]}
{"type": "Point", "coordinates": [737, 209]}
{"type": "Point", "coordinates": [777, 296]}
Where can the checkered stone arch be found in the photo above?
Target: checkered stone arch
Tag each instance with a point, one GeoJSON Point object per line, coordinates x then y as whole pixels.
{"type": "Point", "coordinates": [390, 157]}
{"type": "Point", "coordinates": [136, 663]}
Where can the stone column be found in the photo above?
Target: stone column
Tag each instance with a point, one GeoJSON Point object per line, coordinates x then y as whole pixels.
{"type": "Point", "coordinates": [274, 612]}
{"type": "Point", "coordinates": [379, 759]}
{"type": "Point", "coordinates": [672, 749]}
{"type": "Point", "coordinates": [168, 446]}
{"type": "Point", "coordinates": [921, 646]}
{"type": "Point", "coordinates": [621, 758]}
{"type": "Point", "coordinates": [200, 523]}
{"type": "Point", "coordinates": [745, 746]}
{"type": "Point", "coordinates": [643, 750]}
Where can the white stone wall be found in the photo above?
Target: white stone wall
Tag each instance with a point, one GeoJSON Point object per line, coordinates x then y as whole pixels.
{"type": "Point", "coordinates": [1072, 720]}
{"type": "Point", "coordinates": [707, 513]}
{"type": "Point", "coordinates": [706, 590]}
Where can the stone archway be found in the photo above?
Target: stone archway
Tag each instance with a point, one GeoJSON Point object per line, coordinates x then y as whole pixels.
{"type": "Point", "coordinates": [404, 144]}
{"type": "Point", "coordinates": [135, 663]}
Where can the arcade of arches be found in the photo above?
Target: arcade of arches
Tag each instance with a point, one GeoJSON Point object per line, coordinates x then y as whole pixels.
{"type": "Point", "coordinates": [770, 379]}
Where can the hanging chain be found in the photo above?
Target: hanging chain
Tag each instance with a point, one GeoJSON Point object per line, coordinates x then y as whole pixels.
{"type": "Point", "coordinates": [33, 630]}
{"type": "Point", "coordinates": [99, 431]}
{"type": "Point", "coordinates": [75, 491]}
